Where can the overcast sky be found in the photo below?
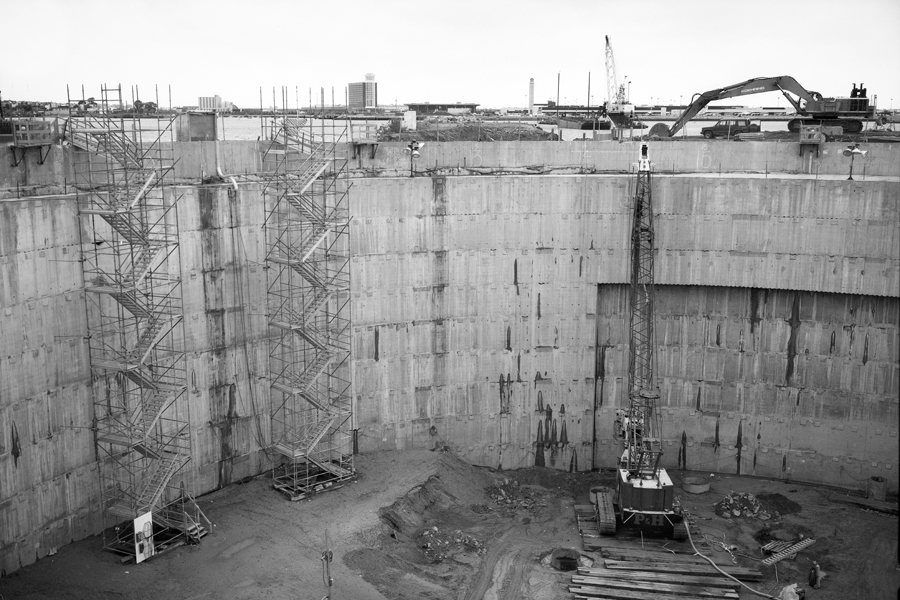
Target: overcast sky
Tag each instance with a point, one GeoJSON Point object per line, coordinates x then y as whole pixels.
{"type": "Point", "coordinates": [481, 51]}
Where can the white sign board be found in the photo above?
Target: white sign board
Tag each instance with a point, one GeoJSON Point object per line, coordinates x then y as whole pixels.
{"type": "Point", "coordinates": [409, 120]}
{"type": "Point", "coordinates": [143, 537]}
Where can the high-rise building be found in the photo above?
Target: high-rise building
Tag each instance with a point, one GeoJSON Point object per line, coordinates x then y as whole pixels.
{"type": "Point", "coordinates": [210, 102]}
{"type": "Point", "coordinates": [363, 94]}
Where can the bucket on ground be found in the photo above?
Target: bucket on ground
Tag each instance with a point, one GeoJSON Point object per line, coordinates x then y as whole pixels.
{"type": "Point", "coordinates": [695, 485]}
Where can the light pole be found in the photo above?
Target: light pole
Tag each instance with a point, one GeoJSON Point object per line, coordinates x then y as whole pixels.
{"type": "Point", "coordinates": [629, 92]}
{"type": "Point", "coordinates": [413, 150]}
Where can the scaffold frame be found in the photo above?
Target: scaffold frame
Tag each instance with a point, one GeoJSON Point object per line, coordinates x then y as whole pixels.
{"type": "Point", "coordinates": [308, 305]}
{"type": "Point", "coordinates": [124, 168]}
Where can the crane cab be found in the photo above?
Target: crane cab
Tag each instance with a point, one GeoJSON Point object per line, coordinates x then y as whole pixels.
{"type": "Point", "coordinates": [644, 159]}
{"type": "Point", "coordinates": [646, 492]}
{"type": "Point", "coordinates": [647, 500]}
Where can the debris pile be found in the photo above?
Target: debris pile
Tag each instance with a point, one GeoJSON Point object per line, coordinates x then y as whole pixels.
{"type": "Point", "coordinates": [510, 495]}
{"type": "Point", "coordinates": [736, 505]}
{"type": "Point", "coordinates": [438, 544]}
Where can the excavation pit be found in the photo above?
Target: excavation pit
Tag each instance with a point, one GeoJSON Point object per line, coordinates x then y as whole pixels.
{"type": "Point", "coordinates": [564, 559]}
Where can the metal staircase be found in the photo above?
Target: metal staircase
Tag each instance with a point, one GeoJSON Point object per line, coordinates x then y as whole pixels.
{"type": "Point", "coordinates": [308, 307]}
{"type": "Point", "coordinates": [124, 180]}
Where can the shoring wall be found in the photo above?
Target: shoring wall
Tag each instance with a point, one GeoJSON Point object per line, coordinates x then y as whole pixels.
{"type": "Point", "coordinates": [480, 302]}
{"type": "Point", "coordinates": [476, 306]}
{"type": "Point", "coordinates": [49, 485]}
{"type": "Point", "coordinates": [709, 157]}
{"type": "Point", "coordinates": [719, 158]}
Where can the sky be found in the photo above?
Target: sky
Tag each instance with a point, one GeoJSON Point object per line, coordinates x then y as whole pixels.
{"type": "Point", "coordinates": [451, 51]}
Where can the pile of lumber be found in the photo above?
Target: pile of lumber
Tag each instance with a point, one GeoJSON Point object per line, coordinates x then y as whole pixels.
{"type": "Point", "coordinates": [640, 574]}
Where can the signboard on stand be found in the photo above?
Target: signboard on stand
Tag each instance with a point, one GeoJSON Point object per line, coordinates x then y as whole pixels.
{"type": "Point", "coordinates": [143, 537]}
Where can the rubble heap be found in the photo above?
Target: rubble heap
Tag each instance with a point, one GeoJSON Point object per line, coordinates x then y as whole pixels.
{"type": "Point", "coordinates": [736, 505]}
{"type": "Point", "coordinates": [510, 495]}
{"type": "Point", "coordinates": [438, 544]}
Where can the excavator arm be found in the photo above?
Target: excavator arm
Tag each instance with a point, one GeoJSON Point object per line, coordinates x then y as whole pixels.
{"type": "Point", "coordinates": [759, 85]}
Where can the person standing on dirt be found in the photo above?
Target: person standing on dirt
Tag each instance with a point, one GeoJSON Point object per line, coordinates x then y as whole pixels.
{"type": "Point", "coordinates": [816, 575]}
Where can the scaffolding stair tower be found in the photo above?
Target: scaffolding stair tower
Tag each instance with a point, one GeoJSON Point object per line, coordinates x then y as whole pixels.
{"type": "Point", "coordinates": [307, 233]}
{"type": "Point", "coordinates": [124, 181]}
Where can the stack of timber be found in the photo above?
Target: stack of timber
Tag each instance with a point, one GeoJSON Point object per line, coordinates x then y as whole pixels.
{"type": "Point", "coordinates": [639, 574]}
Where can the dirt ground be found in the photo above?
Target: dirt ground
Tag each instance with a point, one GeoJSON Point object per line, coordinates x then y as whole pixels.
{"type": "Point", "coordinates": [424, 525]}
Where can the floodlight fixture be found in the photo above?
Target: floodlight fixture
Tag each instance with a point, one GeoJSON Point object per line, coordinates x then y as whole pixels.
{"type": "Point", "coordinates": [852, 151]}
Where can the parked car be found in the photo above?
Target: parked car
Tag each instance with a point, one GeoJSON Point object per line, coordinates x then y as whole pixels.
{"type": "Point", "coordinates": [729, 128]}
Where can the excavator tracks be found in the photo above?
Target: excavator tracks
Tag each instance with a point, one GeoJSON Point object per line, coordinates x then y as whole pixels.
{"type": "Point", "coordinates": [606, 513]}
{"type": "Point", "coordinates": [847, 125]}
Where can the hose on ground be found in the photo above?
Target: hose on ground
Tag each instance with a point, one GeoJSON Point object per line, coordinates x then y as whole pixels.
{"type": "Point", "coordinates": [716, 567]}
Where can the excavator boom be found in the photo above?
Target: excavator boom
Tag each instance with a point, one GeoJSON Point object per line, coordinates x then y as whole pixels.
{"type": "Point", "coordinates": [759, 85]}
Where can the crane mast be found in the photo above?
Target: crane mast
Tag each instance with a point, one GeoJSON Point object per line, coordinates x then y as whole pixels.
{"type": "Point", "coordinates": [617, 108]}
{"type": "Point", "coordinates": [612, 89]}
{"type": "Point", "coordinates": [641, 427]}
{"type": "Point", "coordinates": [645, 494]}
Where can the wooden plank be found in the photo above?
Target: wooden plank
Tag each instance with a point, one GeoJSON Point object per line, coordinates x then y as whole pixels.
{"type": "Point", "coordinates": [649, 586]}
{"type": "Point", "coordinates": [652, 591]}
{"type": "Point", "coordinates": [649, 555]}
{"type": "Point", "coordinates": [886, 507]}
{"type": "Point", "coordinates": [589, 593]}
{"type": "Point", "coordinates": [717, 581]}
{"type": "Point", "coordinates": [659, 567]}
{"type": "Point", "coordinates": [651, 548]}
{"type": "Point", "coordinates": [748, 574]}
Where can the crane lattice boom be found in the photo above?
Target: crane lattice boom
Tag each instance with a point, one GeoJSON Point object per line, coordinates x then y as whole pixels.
{"type": "Point", "coordinates": [640, 431]}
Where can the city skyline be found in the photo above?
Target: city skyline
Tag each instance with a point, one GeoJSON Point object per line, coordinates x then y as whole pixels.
{"type": "Point", "coordinates": [474, 52]}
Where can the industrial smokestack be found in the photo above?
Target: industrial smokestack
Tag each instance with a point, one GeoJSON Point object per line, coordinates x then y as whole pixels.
{"type": "Point", "coordinates": [531, 96]}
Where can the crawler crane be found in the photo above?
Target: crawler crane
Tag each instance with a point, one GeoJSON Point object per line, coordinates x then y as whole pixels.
{"type": "Point", "coordinates": [644, 492]}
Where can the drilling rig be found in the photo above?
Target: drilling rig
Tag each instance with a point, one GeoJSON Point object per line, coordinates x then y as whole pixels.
{"type": "Point", "coordinates": [644, 492]}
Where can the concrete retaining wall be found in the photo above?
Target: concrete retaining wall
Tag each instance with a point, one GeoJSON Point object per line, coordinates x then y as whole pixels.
{"type": "Point", "coordinates": [767, 382]}
{"type": "Point", "coordinates": [833, 236]}
{"type": "Point", "coordinates": [475, 310]}
{"type": "Point", "coordinates": [709, 157]}
{"type": "Point", "coordinates": [715, 157]}
{"type": "Point", "coordinates": [224, 291]}
{"type": "Point", "coordinates": [487, 319]}
{"type": "Point", "coordinates": [49, 492]}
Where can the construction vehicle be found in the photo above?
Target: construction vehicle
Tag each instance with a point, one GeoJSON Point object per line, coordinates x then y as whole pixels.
{"type": "Point", "coordinates": [644, 492]}
{"type": "Point", "coordinates": [811, 107]}
{"type": "Point", "coordinates": [618, 108]}
{"type": "Point", "coordinates": [729, 128]}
